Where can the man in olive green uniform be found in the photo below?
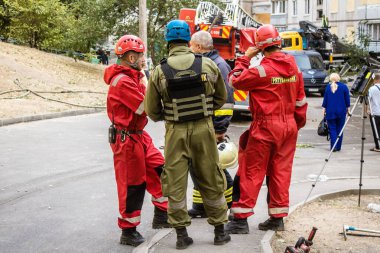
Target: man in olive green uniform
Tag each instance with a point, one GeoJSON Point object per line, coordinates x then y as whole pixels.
{"type": "Point", "coordinates": [184, 90]}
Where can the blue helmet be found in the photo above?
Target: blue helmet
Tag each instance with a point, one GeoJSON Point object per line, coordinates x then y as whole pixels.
{"type": "Point", "coordinates": [177, 30]}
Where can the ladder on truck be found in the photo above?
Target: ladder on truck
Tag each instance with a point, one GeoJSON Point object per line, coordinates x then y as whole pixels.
{"type": "Point", "coordinates": [239, 17]}
{"type": "Point", "coordinates": [233, 15]}
{"type": "Point", "coordinates": [206, 11]}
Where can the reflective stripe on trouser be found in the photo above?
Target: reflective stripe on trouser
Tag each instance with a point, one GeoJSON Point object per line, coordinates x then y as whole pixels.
{"type": "Point", "coordinates": [270, 155]}
{"type": "Point", "coordinates": [197, 198]}
{"type": "Point", "coordinates": [138, 166]}
{"type": "Point", "coordinates": [195, 144]}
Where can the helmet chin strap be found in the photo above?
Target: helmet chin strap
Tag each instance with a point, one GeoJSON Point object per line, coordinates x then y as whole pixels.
{"type": "Point", "coordinates": [135, 65]}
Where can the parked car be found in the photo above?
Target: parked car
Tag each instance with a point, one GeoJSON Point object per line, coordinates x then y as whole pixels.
{"type": "Point", "coordinates": [313, 69]}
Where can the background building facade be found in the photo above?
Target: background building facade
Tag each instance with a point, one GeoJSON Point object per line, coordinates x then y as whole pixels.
{"type": "Point", "coordinates": [348, 19]}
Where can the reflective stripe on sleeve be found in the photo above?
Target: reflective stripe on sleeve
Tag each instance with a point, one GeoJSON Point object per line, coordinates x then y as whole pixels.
{"type": "Point", "coordinates": [241, 210]}
{"type": "Point", "coordinates": [117, 79]}
{"type": "Point", "coordinates": [301, 103]}
{"type": "Point", "coordinates": [159, 200]}
{"type": "Point", "coordinates": [224, 112]}
{"type": "Point", "coordinates": [227, 106]}
{"type": "Point", "coordinates": [140, 110]}
{"type": "Point", "coordinates": [261, 70]}
{"type": "Point", "coordinates": [278, 210]}
{"type": "Point", "coordinates": [228, 191]}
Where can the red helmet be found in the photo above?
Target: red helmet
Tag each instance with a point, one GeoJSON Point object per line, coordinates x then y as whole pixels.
{"type": "Point", "coordinates": [129, 43]}
{"type": "Point", "coordinates": [266, 36]}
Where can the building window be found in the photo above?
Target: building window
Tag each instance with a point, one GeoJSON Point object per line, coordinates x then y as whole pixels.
{"type": "Point", "coordinates": [307, 6]}
{"type": "Point", "coordinates": [279, 7]}
{"type": "Point", "coordinates": [320, 2]}
{"type": "Point", "coordinates": [294, 7]}
{"type": "Point", "coordinates": [319, 14]}
{"type": "Point", "coordinates": [374, 31]}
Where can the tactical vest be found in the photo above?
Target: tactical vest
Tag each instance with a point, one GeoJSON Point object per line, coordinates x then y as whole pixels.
{"type": "Point", "coordinates": [186, 91]}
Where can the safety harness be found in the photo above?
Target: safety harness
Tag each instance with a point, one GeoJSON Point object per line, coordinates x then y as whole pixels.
{"type": "Point", "coordinates": [186, 91]}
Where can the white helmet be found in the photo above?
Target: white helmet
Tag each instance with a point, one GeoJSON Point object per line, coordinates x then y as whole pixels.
{"type": "Point", "coordinates": [228, 155]}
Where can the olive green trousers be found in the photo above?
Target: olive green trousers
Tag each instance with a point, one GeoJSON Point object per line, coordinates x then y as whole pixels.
{"type": "Point", "coordinates": [192, 144]}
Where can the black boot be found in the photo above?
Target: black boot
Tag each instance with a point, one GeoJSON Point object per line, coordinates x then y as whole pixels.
{"type": "Point", "coordinates": [237, 226]}
{"type": "Point", "coordinates": [275, 224]}
{"type": "Point", "coordinates": [130, 236]}
{"type": "Point", "coordinates": [160, 219]}
{"type": "Point", "coordinates": [221, 237]}
{"type": "Point", "coordinates": [198, 211]}
{"type": "Point", "coordinates": [183, 239]}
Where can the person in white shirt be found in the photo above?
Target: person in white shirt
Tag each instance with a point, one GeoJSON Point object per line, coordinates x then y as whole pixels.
{"type": "Point", "coordinates": [374, 101]}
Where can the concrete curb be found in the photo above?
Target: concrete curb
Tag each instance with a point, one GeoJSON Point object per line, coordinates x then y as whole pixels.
{"type": "Point", "coordinates": [268, 237]}
{"type": "Point", "coordinates": [145, 247]}
{"type": "Point", "coordinates": [4, 122]}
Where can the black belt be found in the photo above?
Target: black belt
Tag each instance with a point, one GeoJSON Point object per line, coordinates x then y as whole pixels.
{"type": "Point", "coordinates": [124, 131]}
{"type": "Point", "coordinates": [128, 133]}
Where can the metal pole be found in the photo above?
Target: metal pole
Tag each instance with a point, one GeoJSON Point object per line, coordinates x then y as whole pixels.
{"type": "Point", "coordinates": [143, 22]}
{"type": "Point", "coordinates": [362, 148]}
{"type": "Point", "coordinates": [332, 149]}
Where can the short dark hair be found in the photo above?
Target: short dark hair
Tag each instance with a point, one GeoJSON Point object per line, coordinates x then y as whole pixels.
{"type": "Point", "coordinates": [271, 49]}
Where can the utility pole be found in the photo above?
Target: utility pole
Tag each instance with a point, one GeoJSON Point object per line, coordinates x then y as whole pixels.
{"type": "Point", "coordinates": [143, 22]}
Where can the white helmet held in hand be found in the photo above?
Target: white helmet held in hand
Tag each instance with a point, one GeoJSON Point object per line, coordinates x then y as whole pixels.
{"type": "Point", "coordinates": [228, 155]}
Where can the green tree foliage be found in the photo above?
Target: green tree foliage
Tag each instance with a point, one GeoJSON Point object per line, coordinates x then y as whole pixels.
{"type": "Point", "coordinates": [160, 12]}
{"type": "Point", "coordinates": [38, 23]}
{"type": "Point", "coordinates": [5, 19]}
{"type": "Point", "coordinates": [80, 25]}
{"type": "Point", "coordinates": [357, 51]}
{"type": "Point", "coordinates": [94, 21]}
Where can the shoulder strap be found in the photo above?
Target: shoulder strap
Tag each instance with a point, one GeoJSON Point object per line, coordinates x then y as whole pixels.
{"type": "Point", "coordinates": [377, 87]}
{"type": "Point", "coordinates": [169, 73]}
{"type": "Point", "coordinates": [197, 64]}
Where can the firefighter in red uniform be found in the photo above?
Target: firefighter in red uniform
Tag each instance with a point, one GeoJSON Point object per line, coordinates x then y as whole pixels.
{"type": "Point", "coordinates": [276, 90]}
{"type": "Point", "coordinates": [138, 164]}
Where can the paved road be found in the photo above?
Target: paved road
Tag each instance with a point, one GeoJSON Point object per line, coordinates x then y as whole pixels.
{"type": "Point", "coordinates": [58, 193]}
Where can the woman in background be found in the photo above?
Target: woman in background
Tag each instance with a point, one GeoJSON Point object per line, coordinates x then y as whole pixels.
{"type": "Point", "coordinates": [336, 104]}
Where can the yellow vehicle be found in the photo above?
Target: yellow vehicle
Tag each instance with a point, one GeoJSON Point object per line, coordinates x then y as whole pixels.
{"type": "Point", "coordinates": [291, 40]}
{"type": "Point", "coordinates": [311, 37]}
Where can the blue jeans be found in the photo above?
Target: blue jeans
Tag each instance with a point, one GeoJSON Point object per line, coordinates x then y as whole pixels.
{"type": "Point", "coordinates": [335, 126]}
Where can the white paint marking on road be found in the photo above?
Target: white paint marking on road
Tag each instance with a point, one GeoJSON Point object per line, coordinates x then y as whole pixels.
{"type": "Point", "coordinates": [144, 247]}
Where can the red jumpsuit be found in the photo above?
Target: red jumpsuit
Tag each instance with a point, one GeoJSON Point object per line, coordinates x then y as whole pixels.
{"type": "Point", "coordinates": [278, 107]}
{"type": "Point", "coordinates": [138, 164]}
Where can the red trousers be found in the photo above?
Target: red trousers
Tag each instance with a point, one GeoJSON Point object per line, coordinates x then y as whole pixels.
{"type": "Point", "coordinates": [138, 166]}
{"type": "Point", "coordinates": [267, 149]}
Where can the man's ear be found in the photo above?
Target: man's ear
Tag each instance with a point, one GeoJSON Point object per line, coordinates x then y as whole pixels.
{"type": "Point", "coordinates": [131, 57]}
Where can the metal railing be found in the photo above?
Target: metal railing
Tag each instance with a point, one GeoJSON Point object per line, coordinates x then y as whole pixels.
{"type": "Point", "coordinates": [233, 15]}
{"type": "Point", "coordinates": [239, 17]}
{"type": "Point", "coordinates": [205, 10]}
